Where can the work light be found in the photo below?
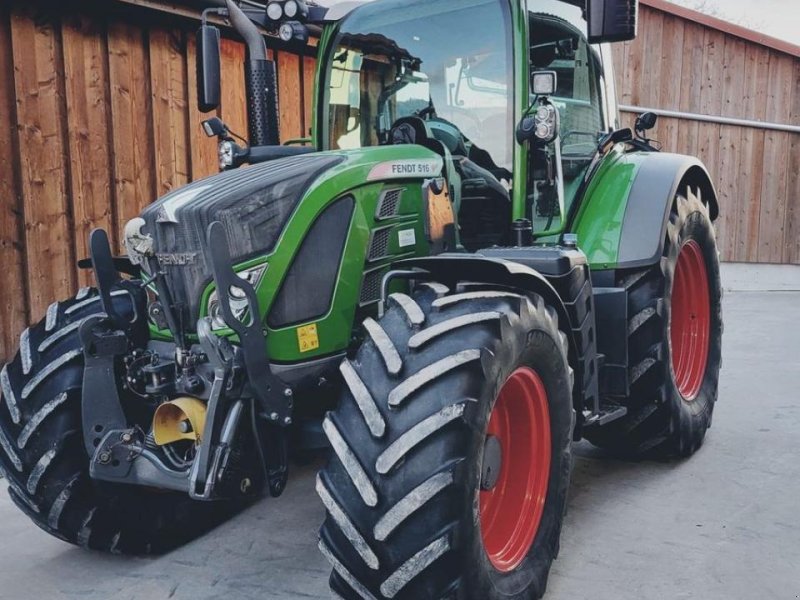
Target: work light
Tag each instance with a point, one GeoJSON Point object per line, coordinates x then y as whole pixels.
{"type": "Point", "coordinates": [275, 10]}
{"type": "Point", "coordinates": [546, 123]}
{"type": "Point", "coordinates": [225, 153]}
{"type": "Point", "coordinates": [278, 10]}
{"type": "Point", "coordinates": [291, 9]}
{"type": "Point", "coordinates": [293, 30]}
{"type": "Point", "coordinates": [544, 83]}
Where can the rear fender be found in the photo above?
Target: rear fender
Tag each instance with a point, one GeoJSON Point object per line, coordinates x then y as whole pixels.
{"type": "Point", "coordinates": [642, 208]}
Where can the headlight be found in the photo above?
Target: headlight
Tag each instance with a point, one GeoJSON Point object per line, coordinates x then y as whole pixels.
{"type": "Point", "coordinates": [238, 298]}
{"type": "Point", "coordinates": [225, 150]}
{"type": "Point", "coordinates": [547, 123]}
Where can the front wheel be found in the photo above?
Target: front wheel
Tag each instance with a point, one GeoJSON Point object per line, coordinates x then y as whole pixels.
{"type": "Point", "coordinates": [43, 457]}
{"type": "Point", "coordinates": [452, 454]}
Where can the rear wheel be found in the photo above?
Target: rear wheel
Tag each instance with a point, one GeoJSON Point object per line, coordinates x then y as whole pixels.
{"type": "Point", "coordinates": [452, 451]}
{"type": "Point", "coordinates": [674, 342]}
{"type": "Point", "coordinates": [43, 457]}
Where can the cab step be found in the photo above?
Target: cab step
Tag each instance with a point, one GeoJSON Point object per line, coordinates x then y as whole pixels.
{"type": "Point", "coordinates": [607, 414]}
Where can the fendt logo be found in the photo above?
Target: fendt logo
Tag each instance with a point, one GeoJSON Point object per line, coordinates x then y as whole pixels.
{"type": "Point", "coordinates": [177, 260]}
{"type": "Point", "coordinates": [406, 169]}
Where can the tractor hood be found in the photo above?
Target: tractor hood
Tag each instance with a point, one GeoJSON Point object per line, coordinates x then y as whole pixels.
{"type": "Point", "coordinates": [254, 204]}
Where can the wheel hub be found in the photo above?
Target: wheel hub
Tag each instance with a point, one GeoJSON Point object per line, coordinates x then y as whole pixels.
{"type": "Point", "coordinates": [516, 470]}
{"type": "Point", "coordinates": [690, 322]}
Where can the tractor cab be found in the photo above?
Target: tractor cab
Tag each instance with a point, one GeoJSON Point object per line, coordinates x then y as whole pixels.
{"type": "Point", "coordinates": [395, 74]}
{"type": "Point", "coordinates": [444, 76]}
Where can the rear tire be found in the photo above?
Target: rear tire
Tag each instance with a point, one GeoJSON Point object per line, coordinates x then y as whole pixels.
{"type": "Point", "coordinates": [402, 487]}
{"type": "Point", "coordinates": [43, 458]}
{"type": "Point", "coordinates": [674, 342]}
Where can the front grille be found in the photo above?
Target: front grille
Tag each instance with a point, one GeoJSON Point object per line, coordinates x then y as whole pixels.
{"type": "Point", "coordinates": [389, 204]}
{"type": "Point", "coordinates": [371, 287]}
{"type": "Point", "coordinates": [317, 261]}
{"type": "Point", "coordinates": [379, 248]}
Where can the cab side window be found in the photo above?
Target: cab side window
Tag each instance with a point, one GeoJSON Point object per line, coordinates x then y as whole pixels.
{"type": "Point", "coordinates": [559, 43]}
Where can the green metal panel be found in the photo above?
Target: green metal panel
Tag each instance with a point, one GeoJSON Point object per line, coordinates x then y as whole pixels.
{"type": "Point", "coordinates": [599, 221]}
{"type": "Point", "coordinates": [324, 47]}
{"type": "Point", "coordinates": [522, 101]}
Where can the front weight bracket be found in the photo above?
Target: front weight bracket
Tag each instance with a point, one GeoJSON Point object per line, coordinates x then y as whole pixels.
{"type": "Point", "coordinates": [274, 397]}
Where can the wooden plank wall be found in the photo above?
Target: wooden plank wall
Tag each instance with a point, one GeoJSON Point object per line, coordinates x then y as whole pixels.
{"type": "Point", "coordinates": [97, 119]}
{"type": "Point", "coordinates": [676, 64]}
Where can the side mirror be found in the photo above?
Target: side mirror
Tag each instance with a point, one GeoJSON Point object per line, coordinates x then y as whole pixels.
{"type": "Point", "coordinates": [208, 68]}
{"type": "Point", "coordinates": [646, 121]}
{"type": "Point", "coordinates": [612, 20]}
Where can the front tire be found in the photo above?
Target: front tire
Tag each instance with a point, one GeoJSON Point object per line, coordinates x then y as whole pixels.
{"type": "Point", "coordinates": [44, 460]}
{"type": "Point", "coordinates": [449, 394]}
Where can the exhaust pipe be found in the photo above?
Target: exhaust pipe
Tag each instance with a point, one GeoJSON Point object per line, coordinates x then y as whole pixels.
{"type": "Point", "coordinates": [263, 121]}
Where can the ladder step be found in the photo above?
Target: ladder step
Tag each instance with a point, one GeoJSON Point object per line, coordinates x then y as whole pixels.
{"type": "Point", "coordinates": [607, 414]}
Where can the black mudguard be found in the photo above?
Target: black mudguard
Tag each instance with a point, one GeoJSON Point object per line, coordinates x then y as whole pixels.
{"type": "Point", "coordinates": [452, 269]}
{"type": "Point", "coordinates": [661, 177]}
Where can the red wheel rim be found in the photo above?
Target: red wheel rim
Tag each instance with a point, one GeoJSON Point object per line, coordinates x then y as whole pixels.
{"type": "Point", "coordinates": [690, 321]}
{"type": "Point", "coordinates": [511, 512]}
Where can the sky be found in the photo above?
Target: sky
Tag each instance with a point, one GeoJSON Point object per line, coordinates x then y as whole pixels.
{"type": "Point", "coordinates": [778, 18]}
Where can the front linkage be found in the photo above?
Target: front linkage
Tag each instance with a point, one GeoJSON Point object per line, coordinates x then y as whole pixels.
{"type": "Point", "coordinates": [235, 382]}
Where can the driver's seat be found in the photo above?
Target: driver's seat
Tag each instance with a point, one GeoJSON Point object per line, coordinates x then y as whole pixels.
{"type": "Point", "coordinates": [415, 130]}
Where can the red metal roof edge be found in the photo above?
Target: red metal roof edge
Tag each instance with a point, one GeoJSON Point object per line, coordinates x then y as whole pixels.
{"type": "Point", "coordinates": [724, 26]}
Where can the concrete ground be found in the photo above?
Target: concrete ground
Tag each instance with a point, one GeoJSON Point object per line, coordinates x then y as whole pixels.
{"type": "Point", "coordinates": [723, 525]}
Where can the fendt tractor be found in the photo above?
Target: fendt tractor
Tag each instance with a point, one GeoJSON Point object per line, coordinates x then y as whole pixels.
{"type": "Point", "coordinates": [468, 266]}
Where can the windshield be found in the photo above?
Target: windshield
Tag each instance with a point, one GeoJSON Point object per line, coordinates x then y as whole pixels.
{"type": "Point", "coordinates": [447, 62]}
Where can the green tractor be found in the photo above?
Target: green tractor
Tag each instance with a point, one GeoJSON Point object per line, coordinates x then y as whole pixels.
{"type": "Point", "coordinates": [469, 266]}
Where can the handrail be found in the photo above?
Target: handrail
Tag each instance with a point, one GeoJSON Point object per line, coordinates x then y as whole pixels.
{"type": "Point", "coordinates": [676, 114]}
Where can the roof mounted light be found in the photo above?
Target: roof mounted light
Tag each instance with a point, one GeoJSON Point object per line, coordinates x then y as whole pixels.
{"type": "Point", "coordinates": [275, 10]}
{"type": "Point", "coordinates": [279, 10]}
{"type": "Point", "coordinates": [291, 9]}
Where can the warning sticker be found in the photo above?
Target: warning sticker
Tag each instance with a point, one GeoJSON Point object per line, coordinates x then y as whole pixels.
{"type": "Point", "coordinates": [308, 338]}
{"type": "Point", "coordinates": [407, 238]}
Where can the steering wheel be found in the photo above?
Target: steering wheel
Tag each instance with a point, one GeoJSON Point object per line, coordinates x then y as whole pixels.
{"type": "Point", "coordinates": [424, 112]}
